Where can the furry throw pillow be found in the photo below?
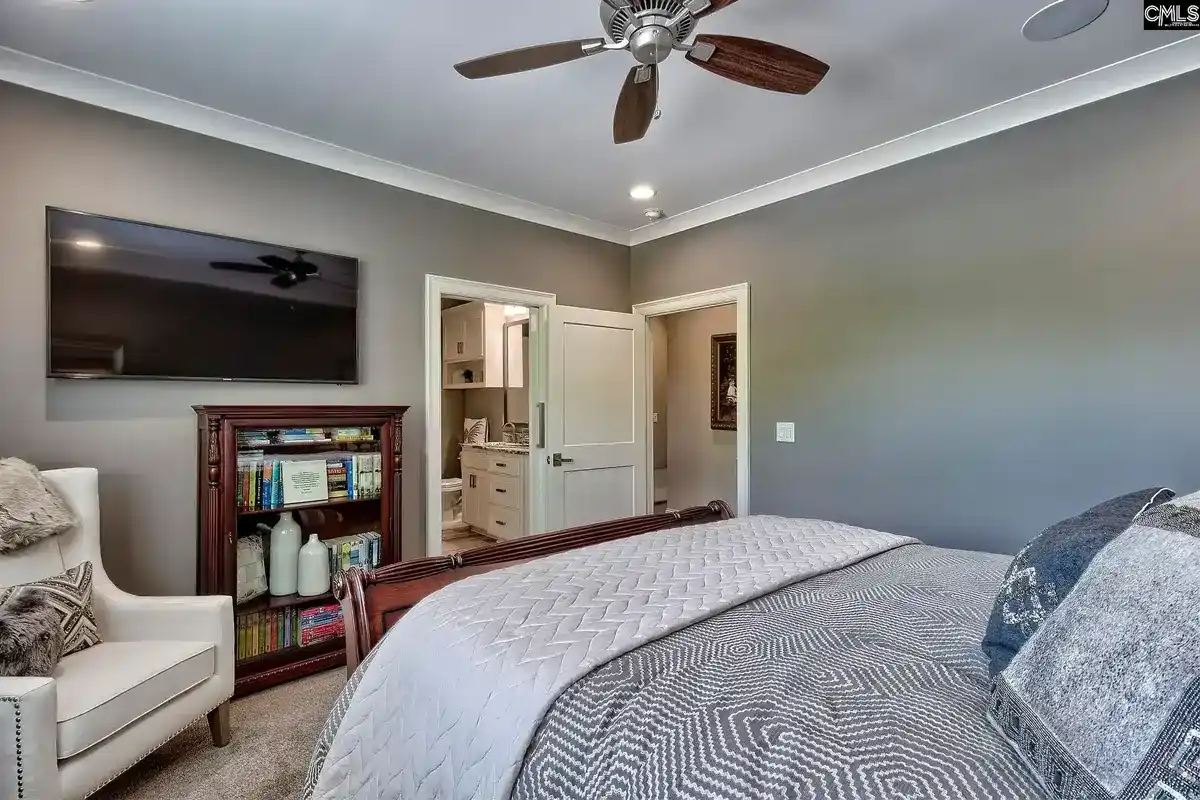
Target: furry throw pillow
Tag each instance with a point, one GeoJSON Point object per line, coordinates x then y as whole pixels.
{"type": "Point", "coordinates": [29, 509]}
{"type": "Point", "coordinates": [31, 639]}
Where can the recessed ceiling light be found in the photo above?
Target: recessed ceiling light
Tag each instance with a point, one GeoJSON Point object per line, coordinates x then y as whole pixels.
{"type": "Point", "coordinates": [642, 191]}
{"type": "Point", "coordinates": [88, 244]}
{"type": "Point", "coordinates": [1062, 18]}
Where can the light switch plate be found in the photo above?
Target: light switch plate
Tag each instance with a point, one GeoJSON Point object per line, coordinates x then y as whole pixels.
{"type": "Point", "coordinates": [656, 416]}
{"type": "Point", "coordinates": [785, 431]}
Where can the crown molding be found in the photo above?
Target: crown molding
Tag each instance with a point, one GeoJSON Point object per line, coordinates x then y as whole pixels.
{"type": "Point", "coordinates": [1168, 61]}
{"type": "Point", "coordinates": [54, 78]}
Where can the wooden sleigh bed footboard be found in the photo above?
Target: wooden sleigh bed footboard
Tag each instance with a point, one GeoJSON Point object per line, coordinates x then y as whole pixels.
{"type": "Point", "coordinates": [372, 601]}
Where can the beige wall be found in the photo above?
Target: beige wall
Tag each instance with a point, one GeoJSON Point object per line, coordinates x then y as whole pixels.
{"type": "Point", "coordinates": [141, 435]}
{"type": "Point", "coordinates": [658, 371]}
{"type": "Point", "coordinates": [701, 462]}
{"type": "Point", "coordinates": [453, 413]}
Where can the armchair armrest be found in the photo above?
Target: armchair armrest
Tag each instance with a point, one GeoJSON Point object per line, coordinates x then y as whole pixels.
{"type": "Point", "coordinates": [28, 739]}
{"type": "Point", "coordinates": [125, 617]}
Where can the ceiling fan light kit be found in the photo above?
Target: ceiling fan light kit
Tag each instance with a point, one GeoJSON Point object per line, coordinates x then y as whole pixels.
{"type": "Point", "coordinates": [650, 31]}
{"type": "Point", "coordinates": [1062, 18]}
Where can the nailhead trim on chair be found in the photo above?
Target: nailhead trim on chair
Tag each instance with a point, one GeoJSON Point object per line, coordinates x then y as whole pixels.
{"type": "Point", "coordinates": [137, 760]}
{"type": "Point", "coordinates": [16, 703]}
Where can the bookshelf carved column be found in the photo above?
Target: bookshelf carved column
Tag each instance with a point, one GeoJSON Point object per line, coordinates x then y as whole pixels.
{"type": "Point", "coordinates": [362, 509]}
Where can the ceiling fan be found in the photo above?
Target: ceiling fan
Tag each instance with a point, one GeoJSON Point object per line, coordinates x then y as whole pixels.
{"type": "Point", "coordinates": [287, 273]}
{"type": "Point", "coordinates": [651, 30]}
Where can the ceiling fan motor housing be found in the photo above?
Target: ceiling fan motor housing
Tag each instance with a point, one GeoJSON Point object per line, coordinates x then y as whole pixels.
{"type": "Point", "coordinates": [647, 26]}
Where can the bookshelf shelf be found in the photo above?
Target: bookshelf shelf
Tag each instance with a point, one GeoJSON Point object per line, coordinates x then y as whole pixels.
{"type": "Point", "coordinates": [235, 441]}
{"type": "Point", "coordinates": [288, 654]}
{"type": "Point", "coordinates": [337, 501]}
{"type": "Point", "coordinates": [271, 603]}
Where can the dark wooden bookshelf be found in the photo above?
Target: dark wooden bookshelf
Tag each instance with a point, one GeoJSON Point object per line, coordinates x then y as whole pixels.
{"type": "Point", "coordinates": [336, 501]}
{"type": "Point", "coordinates": [221, 522]}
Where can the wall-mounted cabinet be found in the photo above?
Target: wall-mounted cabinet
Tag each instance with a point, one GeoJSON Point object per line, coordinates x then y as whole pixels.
{"type": "Point", "coordinates": [474, 347]}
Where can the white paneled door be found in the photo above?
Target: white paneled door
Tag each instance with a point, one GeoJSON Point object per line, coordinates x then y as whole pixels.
{"type": "Point", "coordinates": [595, 417]}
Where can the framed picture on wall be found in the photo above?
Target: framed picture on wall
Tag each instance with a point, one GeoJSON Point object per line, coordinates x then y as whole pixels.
{"type": "Point", "coordinates": [723, 391]}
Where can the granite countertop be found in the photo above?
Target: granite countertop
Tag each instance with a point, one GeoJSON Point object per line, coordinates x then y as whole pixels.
{"type": "Point", "coordinates": [500, 447]}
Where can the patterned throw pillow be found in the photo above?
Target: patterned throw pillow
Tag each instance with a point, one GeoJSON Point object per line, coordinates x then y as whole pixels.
{"type": "Point", "coordinates": [1103, 702]}
{"type": "Point", "coordinates": [70, 594]}
{"type": "Point", "coordinates": [29, 509]}
{"type": "Point", "coordinates": [475, 431]}
{"type": "Point", "coordinates": [1044, 571]}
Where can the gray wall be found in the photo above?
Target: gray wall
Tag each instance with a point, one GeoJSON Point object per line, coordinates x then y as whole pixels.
{"type": "Point", "coordinates": [140, 435]}
{"type": "Point", "coordinates": [980, 342]}
{"type": "Point", "coordinates": [701, 462]}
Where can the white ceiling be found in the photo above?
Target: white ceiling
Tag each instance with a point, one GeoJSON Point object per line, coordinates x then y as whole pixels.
{"type": "Point", "coordinates": [375, 77]}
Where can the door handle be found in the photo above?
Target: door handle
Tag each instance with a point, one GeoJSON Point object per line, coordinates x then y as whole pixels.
{"type": "Point", "coordinates": [559, 460]}
{"type": "Point", "coordinates": [541, 437]}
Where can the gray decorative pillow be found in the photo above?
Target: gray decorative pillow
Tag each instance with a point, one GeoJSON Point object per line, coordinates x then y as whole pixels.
{"type": "Point", "coordinates": [1103, 702]}
{"type": "Point", "coordinates": [70, 595]}
{"type": "Point", "coordinates": [29, 509]}
{"type": "Point", "coordinates": [1043, 573]}
{"type": "Point", "coordinates": [31, 640]}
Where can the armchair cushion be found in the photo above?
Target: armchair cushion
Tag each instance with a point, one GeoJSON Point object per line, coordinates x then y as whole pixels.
{"type": "Point", "coordinates": [107, 687]}
{"type": "Point", "coordinates": [71, 596]}
{"type": "Point", "coordinates": [29, 509]}
{"type": "Point", "coordinates": [31, 639]}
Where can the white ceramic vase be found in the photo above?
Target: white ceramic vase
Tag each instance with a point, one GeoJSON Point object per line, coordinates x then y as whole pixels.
{"type": "Point", "coordinates": [314, 568]}
{"type": "Point", "coordinates": [285, 550]}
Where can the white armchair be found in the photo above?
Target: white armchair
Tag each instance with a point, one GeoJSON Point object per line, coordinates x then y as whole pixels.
{"type": "Point", "coordinates": [164, 663]}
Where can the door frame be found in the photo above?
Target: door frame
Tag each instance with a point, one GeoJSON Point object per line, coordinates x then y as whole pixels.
{"type": "Point", "coordinates": [739, 295]}
{"type": "Point", "coordinates": [539, 303]}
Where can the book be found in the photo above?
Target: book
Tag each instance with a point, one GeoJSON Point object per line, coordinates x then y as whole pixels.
{"type": "Point", "coordinates": [304, 482]}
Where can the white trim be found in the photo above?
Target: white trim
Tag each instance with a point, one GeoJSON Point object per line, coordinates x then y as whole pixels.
{"type": "Point", "coordinates": [87, 87]}
{"type": "Point", "coordinates": [1168, 61]}
{"type": "Point", "coordinates": [437, 287]}
{"type": "Point", "coordinates": [738, 294]}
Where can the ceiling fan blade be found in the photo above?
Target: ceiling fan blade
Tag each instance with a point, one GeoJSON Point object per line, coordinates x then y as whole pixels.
{"type": "Point", "coordinates": [277, 263]}
{"type": "Point", "coordinates": [302, 266]}
{"type": "Point", "coordinates": [757, 63]}
{"type": "Point", "coordinates": [527, 58]}
{"type": "Point", "coordinates": [714, 6]}
{"type": "Point", "coordinates": [237, 266]}
{"type": "Point", "coordinates": [636, 105]}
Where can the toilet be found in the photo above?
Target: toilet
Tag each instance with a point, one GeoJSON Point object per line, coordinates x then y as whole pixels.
{"type": "Point", "coordinates": [452, 504]}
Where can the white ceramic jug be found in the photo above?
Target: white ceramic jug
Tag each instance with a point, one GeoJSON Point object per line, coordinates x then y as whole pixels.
{"type": "Point", "coordinates": [314, 568]}
{"type": "Point", "coordinates": [285, 549]}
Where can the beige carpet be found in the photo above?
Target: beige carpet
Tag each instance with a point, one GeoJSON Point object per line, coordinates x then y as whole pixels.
{"type": "Point", "coordinates": [273, 735]}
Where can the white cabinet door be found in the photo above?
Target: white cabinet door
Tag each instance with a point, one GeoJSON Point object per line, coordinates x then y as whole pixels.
{"type": "Point", "coordinates": [596, 416]}
{"type": "Point", "coordinates": [453, 335]}
{"type": "Point", "coordinates": [473, 331]}
{"type": "Point", "coordinates": [475, 498]}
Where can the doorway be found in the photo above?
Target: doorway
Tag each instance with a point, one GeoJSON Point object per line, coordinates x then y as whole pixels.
{"type": "Point", "coordinates": [485, 389]}
{"type": "Point", "coordinates": [694, 396]}
{"type": "Point", "coordinates": [698, 433]}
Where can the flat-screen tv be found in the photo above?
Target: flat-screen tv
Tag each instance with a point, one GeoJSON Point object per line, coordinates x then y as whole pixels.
{"type": "Point", "coordinates": [131, 300]}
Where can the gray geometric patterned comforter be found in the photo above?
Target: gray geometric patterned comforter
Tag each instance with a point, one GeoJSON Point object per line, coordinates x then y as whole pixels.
{"type": "Point", "coordinates": [866, 683]}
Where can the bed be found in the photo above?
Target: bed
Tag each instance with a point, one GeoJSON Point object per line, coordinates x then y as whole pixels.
{"type": "Point", "coordinates": [684, 655]}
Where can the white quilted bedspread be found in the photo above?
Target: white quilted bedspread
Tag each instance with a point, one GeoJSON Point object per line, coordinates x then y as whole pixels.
{"type": "Point", "coordinates": [457, 689]}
